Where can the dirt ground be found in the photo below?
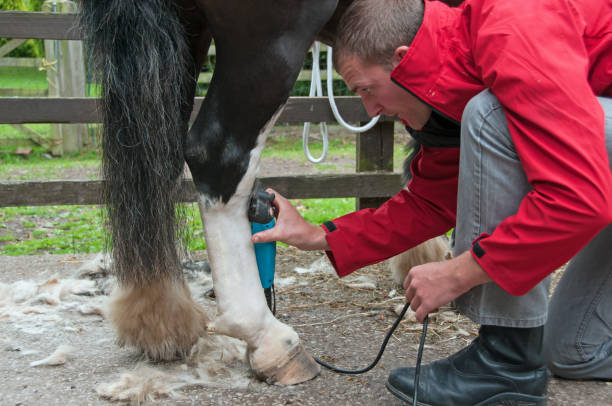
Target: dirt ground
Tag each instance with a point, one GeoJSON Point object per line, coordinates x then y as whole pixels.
{"type": "Point", "coordinates": [341, 321]}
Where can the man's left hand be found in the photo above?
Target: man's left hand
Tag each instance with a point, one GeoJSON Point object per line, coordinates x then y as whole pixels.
{"type": "Point", "coordinates": [435, 284]}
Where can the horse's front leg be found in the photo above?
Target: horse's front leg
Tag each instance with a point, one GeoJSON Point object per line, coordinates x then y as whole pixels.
{"type": "Point", "coordinates": [275, 351]}
{"type": "Point", "coordinates": [255, 71]}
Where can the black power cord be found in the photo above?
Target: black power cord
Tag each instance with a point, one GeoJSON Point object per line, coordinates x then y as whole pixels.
{"type": "Point", "coordinates": [270, 294]}
{"type": "Point", "coordinates": [417, 371]}
{"type": "Point", "coordinates": [382, 349]}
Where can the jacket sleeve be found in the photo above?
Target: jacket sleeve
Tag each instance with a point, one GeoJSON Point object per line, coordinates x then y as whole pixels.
{"type": "Point", "coordinates": [534, 60]}
{"type": "Point", "coordinates": [424, 209]}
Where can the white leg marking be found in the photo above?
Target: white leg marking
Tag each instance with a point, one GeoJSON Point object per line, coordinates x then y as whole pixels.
{"type": "Point", "coordinates": [275, 352]}
{"type": "Point", "coordinates": [242, 311]}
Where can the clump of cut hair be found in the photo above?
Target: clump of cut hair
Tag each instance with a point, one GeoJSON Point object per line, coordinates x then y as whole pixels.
{"type": "Point", "coordinates": [373, 29]}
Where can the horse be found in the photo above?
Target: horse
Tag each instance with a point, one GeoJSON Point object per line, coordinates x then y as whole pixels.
{"type": "Point", "coordinates": [146, 55]}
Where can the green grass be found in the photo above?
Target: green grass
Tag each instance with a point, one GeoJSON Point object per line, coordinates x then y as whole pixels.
{"type": "Point", "coordinates": [80, 229]}
{"type": "Point", "coordinates": [28, 224]}
{"type": "Point", "coordinates": [290, 147]}
{"type": "Point", "coordinates": [22, 78]}
{"type": "Point", "coordinates": [39, 158]}
{"type": "Point", "coordinates": [317, 211]}
{"type": "Point", "coordinates": [7, 237]}
{"type": "Point", "coordinates": [40, 166]}
{"type": "Point", "coordinates": [52, 229]}
{"type": "Point", "coordinates": [7, 131]}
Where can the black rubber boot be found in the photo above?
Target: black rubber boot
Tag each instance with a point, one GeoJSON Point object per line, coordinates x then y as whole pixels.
{"type": "Point", "coordinates": [502, 365]}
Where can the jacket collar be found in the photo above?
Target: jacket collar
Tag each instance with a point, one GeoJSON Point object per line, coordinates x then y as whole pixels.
{"type": "Point", "coordinates": [438, 67]}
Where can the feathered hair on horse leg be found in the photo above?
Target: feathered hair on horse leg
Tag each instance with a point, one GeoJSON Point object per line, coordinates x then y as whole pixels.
{"type": "Point", "coordinates": [432, 250]}
{"type": "Point", "coordinates": [162, 334]}
{"type": "Point", "coordinates": [140, 57]}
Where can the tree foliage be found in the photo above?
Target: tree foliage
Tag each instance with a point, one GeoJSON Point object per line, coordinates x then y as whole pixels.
{"type": "Point", "coordinates": [12, 5]}
{"type": "Point", "coordinates": [31, 48]}
{"type": "Point", "coordinates": [34, 5]}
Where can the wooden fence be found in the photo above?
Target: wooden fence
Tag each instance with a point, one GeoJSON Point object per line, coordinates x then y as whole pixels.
{"type": "Point", "coordinates": [373, 183]}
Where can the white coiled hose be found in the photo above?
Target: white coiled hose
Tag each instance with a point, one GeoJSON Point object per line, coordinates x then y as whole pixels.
{"type": "Point", "coordinates": [316, 90]}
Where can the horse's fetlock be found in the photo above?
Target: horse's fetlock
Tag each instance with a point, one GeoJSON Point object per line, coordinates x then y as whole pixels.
{"type": "Point", "coordinates": [162, 320]}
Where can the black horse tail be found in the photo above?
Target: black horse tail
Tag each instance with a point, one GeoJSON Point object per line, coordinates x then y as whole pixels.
{"type": "Point", "coordinates": [138, 52]}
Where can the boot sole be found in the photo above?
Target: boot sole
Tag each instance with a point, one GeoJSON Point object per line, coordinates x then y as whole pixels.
{"type": "Point", "coordinates": [503, 399]}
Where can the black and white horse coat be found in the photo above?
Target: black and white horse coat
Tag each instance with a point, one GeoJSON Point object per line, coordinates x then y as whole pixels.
{"type": "Point", "coordinates": [147, 55]}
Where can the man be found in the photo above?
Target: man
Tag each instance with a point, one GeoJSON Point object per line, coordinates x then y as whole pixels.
{"type": "Point", "coordinates": [528, 89]}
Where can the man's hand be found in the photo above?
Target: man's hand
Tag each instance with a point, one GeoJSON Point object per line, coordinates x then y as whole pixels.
{"type": "Point", "coordinates": [435, 284]}
{"type": "Point", "coordinates": [291, 228]}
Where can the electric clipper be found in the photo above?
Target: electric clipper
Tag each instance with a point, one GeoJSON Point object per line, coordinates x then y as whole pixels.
{"type": "Point", "coordinates": [261, 217]}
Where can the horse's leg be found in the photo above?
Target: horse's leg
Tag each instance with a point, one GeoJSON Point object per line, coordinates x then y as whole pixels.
{"type": "Point", "coordinates": [260, 48]}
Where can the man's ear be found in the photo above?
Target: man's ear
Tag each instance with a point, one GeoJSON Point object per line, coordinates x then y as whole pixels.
{"type": "Point", "coordinates": [399, 54]}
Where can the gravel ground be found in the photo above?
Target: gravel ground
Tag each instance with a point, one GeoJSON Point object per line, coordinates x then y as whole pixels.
{"type": "Point", "coordinates": [339, 321]}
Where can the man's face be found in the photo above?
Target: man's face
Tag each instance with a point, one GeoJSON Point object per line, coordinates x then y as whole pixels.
{"type": "Point", "coordinates": [380, 95]}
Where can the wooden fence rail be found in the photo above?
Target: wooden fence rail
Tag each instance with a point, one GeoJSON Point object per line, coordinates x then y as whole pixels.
{"type": "Point", "coordinates": [39, 25]}
{"type": "Point", "coordinates": [84, 110]}
{"type": "Point", "coordinates": [30, 25]}
{"type": "Point", "coordinates": [45, 193]}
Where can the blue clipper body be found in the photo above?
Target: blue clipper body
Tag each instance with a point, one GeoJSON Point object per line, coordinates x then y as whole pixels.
{"type": "Point", "coordinates": [265, 253]}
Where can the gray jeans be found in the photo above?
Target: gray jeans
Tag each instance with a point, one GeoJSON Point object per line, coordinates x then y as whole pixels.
{"type": "Point", "coordinates": [492, 183]}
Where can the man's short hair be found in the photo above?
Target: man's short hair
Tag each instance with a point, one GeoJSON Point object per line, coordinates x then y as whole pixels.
{"type": "Point", "coordinates": [373, 29]}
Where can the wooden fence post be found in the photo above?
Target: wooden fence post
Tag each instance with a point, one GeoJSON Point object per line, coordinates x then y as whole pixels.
{"type": "Point", "coordinates": [66, 78]}
{"type": "Point", "coordinates": [375, 153]}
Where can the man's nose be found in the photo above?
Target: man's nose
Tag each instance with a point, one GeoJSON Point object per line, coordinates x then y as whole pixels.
{"type": "Point", "coordinates": [372, 108]}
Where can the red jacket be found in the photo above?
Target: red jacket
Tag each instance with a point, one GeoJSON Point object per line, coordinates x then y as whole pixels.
{"type": "Point", "coordinates": [545, 61]}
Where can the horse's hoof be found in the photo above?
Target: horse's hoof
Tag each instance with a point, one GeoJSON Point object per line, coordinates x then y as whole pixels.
{"type": "Point", "coordinates": [285, 361]}
{"type": "Point", "coordinates": [162, 320]}
{"type": "Point", "coordinates": [299, 367]}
